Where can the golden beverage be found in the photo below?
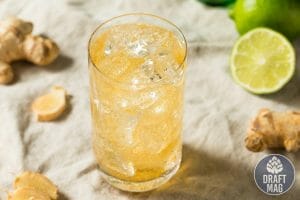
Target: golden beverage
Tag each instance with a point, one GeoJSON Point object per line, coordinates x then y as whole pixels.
{"type": "Point", "coordinates": [136, 65]}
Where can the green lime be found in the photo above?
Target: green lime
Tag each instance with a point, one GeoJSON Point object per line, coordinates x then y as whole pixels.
{"type": "Point", "coordinates": [217, 2]}
{"type": "Point", "coordinates": [262, 61]}
{"type": "Point", "coordinates": [280, 15]}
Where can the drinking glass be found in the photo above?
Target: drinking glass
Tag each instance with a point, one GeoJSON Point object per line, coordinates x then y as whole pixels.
{"type": "Point", "coordinates": [136, 69]}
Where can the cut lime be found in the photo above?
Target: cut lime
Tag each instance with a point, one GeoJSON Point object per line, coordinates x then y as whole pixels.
{"type": "Point", "coordinates": [262, 61]}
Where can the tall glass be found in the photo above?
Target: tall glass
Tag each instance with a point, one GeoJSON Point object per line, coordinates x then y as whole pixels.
{"type": "Point", "coordinates": [136, 67]}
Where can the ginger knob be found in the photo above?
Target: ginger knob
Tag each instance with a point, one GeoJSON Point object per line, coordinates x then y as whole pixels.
{"type": "Point", "coordinates": [6, 73]}
{"type": "Point", "coordinates": [272, 129]}
{"type": "Point", "coordinates": [40, 50]}
{"type": "Point", "coordinates": [18, 43]}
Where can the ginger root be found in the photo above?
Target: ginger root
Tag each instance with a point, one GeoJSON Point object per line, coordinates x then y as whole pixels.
{"type": "Point", "coordinates": [274, 130]}
{"type": "Point", "coordinates": [28, 194]}
{"type": "Point", "coordinates": [50, 106]}
{"type": "Point", "coordinates": [6, 73]}
{"type": "Point", "coordinates": [17, 43]}
{"type": "Point", "coordinates": [35, 186]}
{"type": "Point", "coordinates": [36, 181]}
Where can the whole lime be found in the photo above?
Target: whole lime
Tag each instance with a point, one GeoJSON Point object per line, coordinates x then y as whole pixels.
{"type": "Point", "coordinates": [217, 2]}
{"type": "Point", "coordinates": [280, 15]}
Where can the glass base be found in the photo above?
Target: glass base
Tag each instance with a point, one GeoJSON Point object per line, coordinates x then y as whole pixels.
{"type": "Point", "coordinates": [141, 186]}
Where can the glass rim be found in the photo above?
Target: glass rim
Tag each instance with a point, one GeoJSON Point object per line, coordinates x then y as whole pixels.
{"type": "Point", "coordinates": [181, 65]}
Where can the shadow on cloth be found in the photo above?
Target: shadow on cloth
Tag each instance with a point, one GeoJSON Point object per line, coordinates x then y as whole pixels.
{"type": "Point", "coordinates": [62, 196]}
{"type": "Point", "coordinates": [61, 63]}
{"type": "Point", "coordinates": [203, 176]}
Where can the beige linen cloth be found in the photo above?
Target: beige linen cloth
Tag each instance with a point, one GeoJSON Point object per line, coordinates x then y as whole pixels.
{"type": "Point", "coordinates": [216, 165]}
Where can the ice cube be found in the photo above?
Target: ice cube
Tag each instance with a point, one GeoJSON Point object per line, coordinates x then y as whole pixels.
{"type": "Point", "coordinates": [159, 109]}
{"type": "Point", "coordinates": [162, 54]}
{"type": "Point", "coordinates": [127, 124]}
{"type": "Point", "coordinates": [173, 74]}
{"type": "Point", "coordinates": [128, 130]}
{"type": "Point", "coordinates": [97, 103]}
{"type": "Point", "coordinates": [138, 48]}
{"type": "Point", "coordinates": [147, 99]}
{"type": "Point", "coordinates": [147, 68]}
{"type": "Point", "coordinates": [153, 95]}
{"type": "Point", "coordinates": [135, 80]}
{"type": "Point", "coordinates": [117, 163]}
{"type": "Point", "coordinates": [103, 108]}
{"type": "Point", "coordinates": [152, 140]}
{"type": "Point", "coordinates": [140, 76]}
{"type": "Point", "coordinates": [108, 49]}
{"type": "Point", "coordinates": [124, 103]}
{"type": "Point", "coordinates": [170, 72]}
{"type": "Point", "coordinates": [155, 77]}
{"type": "Point", "coordinates": [152, 48]}
{"type": "Point", "coordinates": [128, 168]}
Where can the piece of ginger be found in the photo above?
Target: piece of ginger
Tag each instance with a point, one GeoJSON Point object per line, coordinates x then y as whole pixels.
{"type": "Point", "coordinates": [17, 43]}
{"type": "Point", "coordinates": [26, 193]}
{"type": "Point", "coordinates": [37, 182]}
{"type": "Point", "coordinates": [50, 106]}
{"type": "Point", "coordinates": [272, 129]}
{"type": "Point", "coordinates": [6, 73]}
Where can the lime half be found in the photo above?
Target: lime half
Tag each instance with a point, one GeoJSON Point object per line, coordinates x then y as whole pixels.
{"type": "Point", "coordinates": [262, 61]}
